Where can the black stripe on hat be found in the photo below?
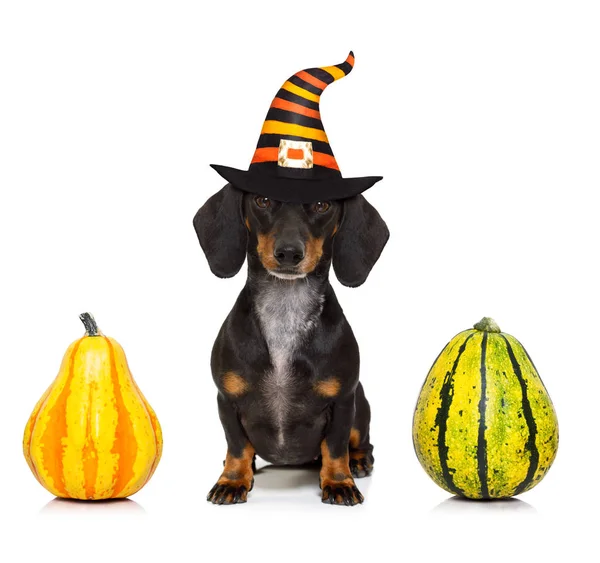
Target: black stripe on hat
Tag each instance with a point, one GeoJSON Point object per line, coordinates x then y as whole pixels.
{"type": "Point", "coordinates": [272, 140]}
{"type": "Point", "coordinates": [306, 85]}
{"type": "Point", "coordinates": [321, 74]}
{"type": "Point", "coordinates": [290, 97]}
{"type": "Point", "coordinates": [277, 114]}
{"type": "Point", "coordinates": [345, 67]}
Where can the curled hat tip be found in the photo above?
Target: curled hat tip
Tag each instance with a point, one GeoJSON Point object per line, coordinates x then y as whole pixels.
{"type": "Point", "coordinates": [348, 64]}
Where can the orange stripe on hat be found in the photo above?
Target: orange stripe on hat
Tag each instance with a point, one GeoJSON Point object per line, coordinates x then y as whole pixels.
{"type": "Point", "coordinates": [265, 154]}
{"type": "Point", "coordinates": [311, 79]}
{"type": "Point", "coordinates": [322, 159]}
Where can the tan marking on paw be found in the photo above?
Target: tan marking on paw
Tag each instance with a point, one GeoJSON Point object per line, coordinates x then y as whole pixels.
{"type": "Point", "coordinates": [334, 469]}
{"type": "Point", "coordinates": [238, 470]}
{"type": "Point", "coordinates": [335, 476]}
{"type": "Point", "coordinates": [354, 438]}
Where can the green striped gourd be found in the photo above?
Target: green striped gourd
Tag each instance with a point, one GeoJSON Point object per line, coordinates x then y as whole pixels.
{"type": "Point", "coordinates": [484, 425]}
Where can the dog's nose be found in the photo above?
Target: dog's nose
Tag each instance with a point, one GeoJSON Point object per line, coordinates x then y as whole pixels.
{"type": "Point", "coordinates": [289, 254]}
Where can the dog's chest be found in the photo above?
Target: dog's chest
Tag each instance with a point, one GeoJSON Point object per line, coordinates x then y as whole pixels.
{"type": "Point", "coordinates": [288, 313]}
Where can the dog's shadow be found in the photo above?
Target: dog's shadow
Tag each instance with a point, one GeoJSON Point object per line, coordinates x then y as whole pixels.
{"type": "Point", "coordinates": [287, 476]}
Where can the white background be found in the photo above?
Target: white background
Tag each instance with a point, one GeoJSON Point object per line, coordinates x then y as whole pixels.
{"type": "Point", "coordinates": [484, 120]}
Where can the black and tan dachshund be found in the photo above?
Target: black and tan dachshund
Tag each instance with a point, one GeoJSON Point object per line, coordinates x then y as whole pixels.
{"type": "Point", "coordinates": [286, 362]}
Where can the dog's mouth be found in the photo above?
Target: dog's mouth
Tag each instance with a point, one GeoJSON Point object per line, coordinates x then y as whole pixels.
{"type": "Point", "coordinates": [287, 273]}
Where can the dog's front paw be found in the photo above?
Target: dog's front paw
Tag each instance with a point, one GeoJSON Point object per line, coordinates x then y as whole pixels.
{"type": "Point", "coordinates": [229, 492]}
{"type": "Point", "coordinates": [361, 464]}
{"type": "Point", "coordinates": [341, 492]}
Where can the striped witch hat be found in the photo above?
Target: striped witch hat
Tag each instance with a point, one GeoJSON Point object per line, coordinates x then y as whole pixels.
{"type": "Point", "coordinates": [293, 160]}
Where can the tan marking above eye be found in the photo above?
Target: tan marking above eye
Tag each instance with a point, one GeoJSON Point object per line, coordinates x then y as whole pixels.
{"type": "Point", "coordinates": [328, 387]}
{"type": "Point", "coordinates": [234, 384]}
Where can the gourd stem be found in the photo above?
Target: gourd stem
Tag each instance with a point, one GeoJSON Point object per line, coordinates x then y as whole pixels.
{"type": "Point", "coordinates": [487, 324]}
{"type": "Point", "coordinates": [91, 328]}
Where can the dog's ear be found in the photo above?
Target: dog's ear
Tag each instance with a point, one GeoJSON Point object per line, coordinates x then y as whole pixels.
{"type": "Point", "coordinates": [222, 233]}
{"type": "Point", "coordinates": [359, 241]}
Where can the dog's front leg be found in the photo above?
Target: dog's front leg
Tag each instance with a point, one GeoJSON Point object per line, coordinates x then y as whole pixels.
{"type": "Point", "coordinates": [238, 471]}
{"type": "Point", "coordinates": [337, 484]}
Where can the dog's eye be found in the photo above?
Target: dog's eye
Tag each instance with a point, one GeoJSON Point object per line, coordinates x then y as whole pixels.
{"type": "Point", "coordinates": [262, 202]}
{"type": "Point", "coordinates": [321, 206]}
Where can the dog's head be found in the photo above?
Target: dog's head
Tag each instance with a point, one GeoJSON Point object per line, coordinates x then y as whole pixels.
{"type": "Point", "coordinates": [290, 240]}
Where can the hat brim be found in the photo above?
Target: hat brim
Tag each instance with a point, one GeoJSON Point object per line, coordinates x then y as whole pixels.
{"type": "Point", "coordinates": [295, 190]}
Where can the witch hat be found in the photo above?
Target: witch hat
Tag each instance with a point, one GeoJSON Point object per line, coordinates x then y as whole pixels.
{"type": "Point", "coordinates": [293, 161]}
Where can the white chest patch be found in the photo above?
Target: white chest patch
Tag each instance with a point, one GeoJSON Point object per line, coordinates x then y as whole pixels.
{"type": "Point", "coordinates": [287, 311]}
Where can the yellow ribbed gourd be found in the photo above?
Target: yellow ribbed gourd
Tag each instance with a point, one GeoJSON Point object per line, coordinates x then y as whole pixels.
{"type": "Point", "coordinates": [484, 425]}
{"type": "Point", "coordinates": [93, 435]}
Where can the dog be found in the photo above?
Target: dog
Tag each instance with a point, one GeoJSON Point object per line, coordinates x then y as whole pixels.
{"type": "Point", "coordinates": [285, 362]}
